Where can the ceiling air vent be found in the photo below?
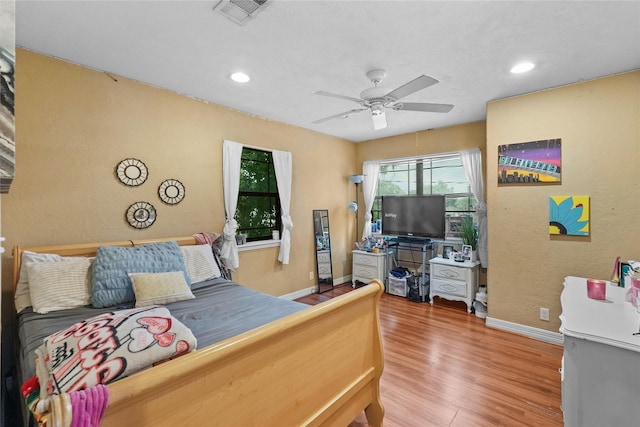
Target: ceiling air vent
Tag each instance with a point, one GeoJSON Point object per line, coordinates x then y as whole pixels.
{"type": "Point", "coordinates": [240, 11]}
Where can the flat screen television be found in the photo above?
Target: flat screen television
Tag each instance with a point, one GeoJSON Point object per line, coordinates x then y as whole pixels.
{"type": "Point", "coordinates": [420, 216]}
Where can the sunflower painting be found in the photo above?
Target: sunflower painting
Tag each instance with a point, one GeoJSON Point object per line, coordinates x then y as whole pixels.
{"type": "Point", "coordinates": [569, 215]}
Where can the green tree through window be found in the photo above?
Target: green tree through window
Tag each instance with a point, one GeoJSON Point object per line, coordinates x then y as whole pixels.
{"type": "Point", "coordinates": [258, 211]}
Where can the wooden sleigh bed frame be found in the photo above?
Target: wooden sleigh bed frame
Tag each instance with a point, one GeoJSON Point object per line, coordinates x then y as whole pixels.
{"type": "Point", "coordinates": [327, 359]}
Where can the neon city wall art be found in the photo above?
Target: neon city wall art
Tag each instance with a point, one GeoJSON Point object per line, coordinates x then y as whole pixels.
{"type": "Point", "coordinates": [535, 162]}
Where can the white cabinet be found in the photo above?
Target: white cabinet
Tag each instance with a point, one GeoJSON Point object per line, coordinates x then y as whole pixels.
{"type": "Point", "coordinates": [601, 361]}
{"type": "Point", "coordinates": [457, 281]}
{"type": "Point", "coordinates": [368, 266]}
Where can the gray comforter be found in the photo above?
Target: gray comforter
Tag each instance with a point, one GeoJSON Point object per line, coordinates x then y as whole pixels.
{"type": "Point", "coordinates": [220, 310]}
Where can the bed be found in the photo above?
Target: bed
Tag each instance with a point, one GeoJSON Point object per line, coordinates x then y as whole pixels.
{"type": "Point", "coordinates": [312, 365]}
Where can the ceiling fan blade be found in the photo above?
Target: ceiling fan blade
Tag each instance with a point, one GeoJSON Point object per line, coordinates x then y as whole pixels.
{"type": "Point", "coordinates": [413, 86]}
{"type": "Point", "coordinates": [379, 120]}
{"type": "Point", "coordinates": [423, 106]}
{"type": "Point", "coordinates": [337, 116]}
{"type": "Point", "coordinates": [335, 95]}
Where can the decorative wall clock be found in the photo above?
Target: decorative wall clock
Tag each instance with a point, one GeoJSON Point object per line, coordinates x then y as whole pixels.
{"type": "Point", "coordinates": [171, 191]}
{"type": "Point", "coordinates": [141, 215]}
{"type": "Point", "coordinates": [132, 172]}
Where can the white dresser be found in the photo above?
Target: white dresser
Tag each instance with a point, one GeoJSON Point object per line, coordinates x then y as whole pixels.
{"type": "Point", "coordinates": [457, 281]}
{"type": "Point", "coordinates": [368, 266]}
{"type": "Point", "coordinates": [601, 362]}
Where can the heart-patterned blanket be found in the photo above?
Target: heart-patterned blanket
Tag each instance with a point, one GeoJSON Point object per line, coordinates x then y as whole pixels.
{"type": "Point", "coordinates": [108, 347]}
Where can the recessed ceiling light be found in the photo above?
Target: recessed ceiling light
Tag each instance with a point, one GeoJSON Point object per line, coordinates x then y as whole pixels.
{"type": "Point", "coordinates": [522, 67]}
{"type": "Point", "coordinates": [240, 77]}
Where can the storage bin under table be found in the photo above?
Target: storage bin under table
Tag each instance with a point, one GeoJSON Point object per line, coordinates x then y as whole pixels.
{"type": "Point", "coordinates": [396, 286]}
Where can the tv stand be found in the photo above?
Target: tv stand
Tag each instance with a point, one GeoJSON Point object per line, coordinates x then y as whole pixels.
{"type": "Point", "coordinates": [412, 253]}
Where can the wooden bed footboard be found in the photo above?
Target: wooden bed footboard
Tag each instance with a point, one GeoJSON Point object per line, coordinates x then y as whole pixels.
{"type": "Point", "coordinates": [321, 366]}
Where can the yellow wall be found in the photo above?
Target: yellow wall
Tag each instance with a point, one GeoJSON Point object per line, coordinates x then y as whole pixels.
{"type": "Point", "coordinates": [599, 123]}
{"type": "Point", "coordinates": [75, 124]}
{"type": "Point", "coordinates": [433, 141]}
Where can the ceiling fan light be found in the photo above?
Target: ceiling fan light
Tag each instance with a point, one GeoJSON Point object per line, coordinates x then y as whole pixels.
{"type": "Point", "coordinates": [377, 110]}
{"type": "Point", "coordinates": [379, 120]}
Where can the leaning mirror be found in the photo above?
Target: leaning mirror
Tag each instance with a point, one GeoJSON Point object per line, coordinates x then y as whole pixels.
{"type": "Point", "coordinates": [322, 244]}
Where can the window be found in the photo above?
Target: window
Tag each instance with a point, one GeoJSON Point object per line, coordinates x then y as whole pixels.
{"type": "Point", "coordinates": [428, 175]}
{"type": "Point", "coordinates": [258, 211]}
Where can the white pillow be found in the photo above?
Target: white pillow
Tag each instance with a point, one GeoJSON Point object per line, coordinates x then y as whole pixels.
{"type": "Point", "coordinates": [199, 262]}
{"type": "Point", "coordinates": [160, 288]}
{"type": "Point", "coordinates": [22, 296]}
{"type": "Point", "coordinates": [57, 286]}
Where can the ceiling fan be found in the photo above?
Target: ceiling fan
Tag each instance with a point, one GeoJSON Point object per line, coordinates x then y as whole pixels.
{"type": "Point", "coordinates": [376, 99]}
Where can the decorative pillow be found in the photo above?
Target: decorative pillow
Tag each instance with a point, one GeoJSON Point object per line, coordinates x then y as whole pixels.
{"type": "Point", "coordinates": [159, 288]}
{"type": "Point", "coordinates": [108, 347]}
{"type": "Point", "coordinates": [57, 286]}
{"type": "Point", "coordinates": [200, 264]}
{"type": "Point", "coordinates": [22, 297]}
{"type": "Point", "coordinates": [111, 283]}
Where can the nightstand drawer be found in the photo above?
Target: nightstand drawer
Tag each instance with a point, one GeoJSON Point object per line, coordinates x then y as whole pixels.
{"type": "Point", "coordinates": [451, 287]}
{"type": "Point", "coordinates": [447, 272]}
{"type": "Point", "coordinates": [366, 272]}
{"type": "Point", "coordinates": [324, 269]}
{"type": "Point", "coordinates": [361, 259]}
{"type": "Point", "coordinates": [323, 257]}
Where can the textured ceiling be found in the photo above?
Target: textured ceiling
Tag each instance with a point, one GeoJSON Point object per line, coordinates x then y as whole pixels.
{"type": "Point", "coordinates": [294, 48]}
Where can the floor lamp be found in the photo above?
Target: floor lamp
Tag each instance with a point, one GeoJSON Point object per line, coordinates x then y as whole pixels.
{"type": "Point", "coordinates": [353, 206]}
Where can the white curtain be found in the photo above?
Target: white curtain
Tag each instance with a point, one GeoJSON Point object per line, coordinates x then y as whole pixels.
{"type": "Point", "coordinates": [231, 159]}
{"type": "Point", "coordinates": [370, 170]}
{"type": "Point", "coordinates": [472, 163]}
{"type": "Point", "coordinates": [283, 167]}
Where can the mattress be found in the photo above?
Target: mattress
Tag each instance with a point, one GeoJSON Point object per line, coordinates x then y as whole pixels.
{"type": "Point", "coordinates": [221, 309]}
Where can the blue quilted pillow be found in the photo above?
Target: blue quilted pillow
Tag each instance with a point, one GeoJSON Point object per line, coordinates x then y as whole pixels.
{"type": "Point", "coordinates": [111, 283]}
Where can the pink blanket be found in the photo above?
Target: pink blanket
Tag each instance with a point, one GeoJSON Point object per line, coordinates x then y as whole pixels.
{"type": "Point", "coordinates": [110, 346]}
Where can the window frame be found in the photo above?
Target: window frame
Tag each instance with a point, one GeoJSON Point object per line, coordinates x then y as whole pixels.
{"type": "Point", "coordinates": [422, 175]}
{"type": "Point", "coordinates": [259, 194]}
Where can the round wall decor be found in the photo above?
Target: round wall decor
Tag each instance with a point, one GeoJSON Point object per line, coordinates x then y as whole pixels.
{"type": "Point", "coordinates": [141, 215]}
{"type": "Point", "coordinates": [171, 191]}
{"type": "Point", "coordinates": [132, 172]}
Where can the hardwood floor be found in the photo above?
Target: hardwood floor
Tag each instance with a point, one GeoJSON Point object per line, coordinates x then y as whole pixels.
{"type": "Point", "coordinates": [444, 367]}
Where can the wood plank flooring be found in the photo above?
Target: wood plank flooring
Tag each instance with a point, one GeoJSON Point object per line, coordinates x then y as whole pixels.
{"type": "Point", "coordinates": [444, 367]}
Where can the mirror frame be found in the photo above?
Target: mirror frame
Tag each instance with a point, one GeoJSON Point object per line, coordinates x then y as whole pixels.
{"type": "Point", "coordinates": [322, 247]}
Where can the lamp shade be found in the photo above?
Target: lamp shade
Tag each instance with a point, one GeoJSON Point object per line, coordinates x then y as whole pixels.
{"type": "Point", "coordinates": [356, 179]}
{"type": "Point", "coordinates": [353, 207]}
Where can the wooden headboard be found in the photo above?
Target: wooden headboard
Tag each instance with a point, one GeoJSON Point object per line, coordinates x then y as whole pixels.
{"type": "Point", "coordinates": [85, 249]}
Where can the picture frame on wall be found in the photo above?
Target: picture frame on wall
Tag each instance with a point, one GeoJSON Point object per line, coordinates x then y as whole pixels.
{"type": "Point", "coordinates": [530, 163]}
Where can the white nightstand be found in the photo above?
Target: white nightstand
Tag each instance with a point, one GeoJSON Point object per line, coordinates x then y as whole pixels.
{"type": "Point", "coordinates": [457, 281]}
{"type": "Point", "coordinates": [368, 266]}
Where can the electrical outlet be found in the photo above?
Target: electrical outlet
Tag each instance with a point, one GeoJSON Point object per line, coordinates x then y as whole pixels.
{"type": "Point", "coordinates": [544, 314]}
{"type": "Point", "coordinates": [311, 275]}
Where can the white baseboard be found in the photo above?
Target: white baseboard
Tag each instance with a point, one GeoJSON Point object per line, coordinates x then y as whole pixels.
{"type": "Point", "coordinates": [529, 331]}
{"type": "Point", "coordinates": [341, 280]}
{"type": "Point", "coordinates": [299, 294]}
{"type": "Point", "coordinates": [311, 290]}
